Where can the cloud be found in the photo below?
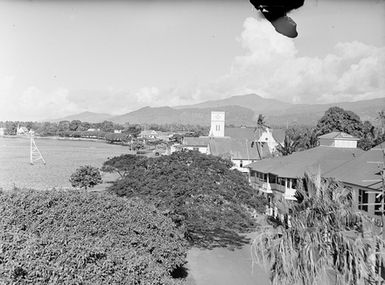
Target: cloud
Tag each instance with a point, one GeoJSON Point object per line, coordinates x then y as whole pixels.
{"type": "Point", "coordinates": [271, 67]}
{"type": "Point", "coordinates": [35, 104]}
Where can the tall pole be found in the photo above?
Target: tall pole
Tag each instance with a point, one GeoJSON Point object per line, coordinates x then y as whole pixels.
{"type": "Point", "coordinates": [30, 149]}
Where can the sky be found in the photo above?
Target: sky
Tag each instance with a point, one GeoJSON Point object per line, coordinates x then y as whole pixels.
{"type": "Point", "coordinates": [64, 57]}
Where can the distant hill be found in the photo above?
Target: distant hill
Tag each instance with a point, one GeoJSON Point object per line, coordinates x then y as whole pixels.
{"type": "Point", "coordinates": [250, 101]}
{"type": "Point", "coordinates": [309, 114]}
{"type": "Point", "coordinates": [240, 110]}
{"type": "Point", "coordinates": [196, 116]}
{"type": "Point", "coordinates": [86, 117]}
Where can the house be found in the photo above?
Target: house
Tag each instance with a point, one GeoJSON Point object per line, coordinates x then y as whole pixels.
{"type": "Point", "coordinates": [242, 145]}
{"type": "Point", "coordinates": [21, 131]}
{"type": "Point", "coordinates": [148, 134]}
{"type": "Point", "coordinates": [196, 143]}
{"type": "Point", "coordinates": [278, 177]}
{"type": "Point", "coordinates": [240, 151]}
{"type": "Point", "coordinates": [338, 139]}
{"type": "Point", "coordinates": [2, 131]}
{"type": "Point", "coordinates": [93, 130]}
{"type": "Point", "coordinates": [117, 131]}
{"type": "Point", "coordinates": [364, 176]}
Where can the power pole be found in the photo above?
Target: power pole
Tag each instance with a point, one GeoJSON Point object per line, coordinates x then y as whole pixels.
{"type": "Point", "coordinates": [34, 154]}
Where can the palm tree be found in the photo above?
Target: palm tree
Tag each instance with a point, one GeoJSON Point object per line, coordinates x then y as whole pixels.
{"type": "Point", "coordinates": [322, 239]}
{"type": "Point", "coordinates": [381, 118]}
{"type": "Point", "coordinates": [289, 145]}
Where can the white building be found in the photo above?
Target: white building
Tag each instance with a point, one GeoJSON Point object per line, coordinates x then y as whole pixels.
{"type": "Point", "coordinates": [243, 145]}
{"type": "Point", "coordinates": [217, 129]}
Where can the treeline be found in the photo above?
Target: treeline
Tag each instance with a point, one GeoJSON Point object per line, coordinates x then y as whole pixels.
{"type": "Point", "coordinates": [106, 130]}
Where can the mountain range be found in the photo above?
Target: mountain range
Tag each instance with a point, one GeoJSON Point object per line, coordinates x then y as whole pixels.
{"type": "Point", "coordinates": [240, 110]}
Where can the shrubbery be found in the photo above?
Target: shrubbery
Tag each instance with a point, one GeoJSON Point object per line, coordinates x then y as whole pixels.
{"type": "Point", "coordinates": [86, 176]}
{"type": "Point", "coordinates": [75, 237]}
{"type": "Point", "coordinates": [201, 193]}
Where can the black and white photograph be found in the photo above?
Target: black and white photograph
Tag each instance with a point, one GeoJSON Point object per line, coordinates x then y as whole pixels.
{"type": "Point", "coordinates": [192, 142]}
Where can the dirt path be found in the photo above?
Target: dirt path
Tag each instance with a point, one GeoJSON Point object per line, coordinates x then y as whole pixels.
{"type": "Point", "coordinates": [221, 266]}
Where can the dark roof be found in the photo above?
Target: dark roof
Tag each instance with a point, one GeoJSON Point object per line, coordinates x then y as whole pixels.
{"type": "Point", "coordinates": [195, 141]}
{"type": "Point", "coordinates": [237, 148]}
{"type": "Point", "coordinates": [296, 164]}
{"type": "Point", "coordinates": [338, 135]}
{"type": "Point", "coordinates": [363, 170]}
{"type": "Point", "coordinates": [241, 133]}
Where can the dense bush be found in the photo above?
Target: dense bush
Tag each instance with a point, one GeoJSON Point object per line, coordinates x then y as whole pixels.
{"type": "Point", "coordinates": [201, 193]}
{"type": "Point", "coordinates": [74, 237]}
{"type": "Point", "coordinates": [86, 176]}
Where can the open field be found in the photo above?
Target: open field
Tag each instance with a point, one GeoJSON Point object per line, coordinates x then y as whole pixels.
{"type": "Point", "coordinates": [62, 157]}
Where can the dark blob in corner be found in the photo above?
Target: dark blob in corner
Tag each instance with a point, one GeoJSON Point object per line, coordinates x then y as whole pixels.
{"type": "Point", "coordinates": [275, 12]}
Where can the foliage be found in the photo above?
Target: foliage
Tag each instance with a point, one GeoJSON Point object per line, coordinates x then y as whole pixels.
{"type": "Point", "coordinates": [297, 139]}
{"type": "Point", "coordinates": [201, 194]}
{"type": "Point", "coordinates": [107, 126]}
{"type": "Point", "coordinates": [117, 138]}
{"type": "Point", "coordinates": [322, 239]}
{"type": "Point", "coordinates": [132, 130]}
{"type": "Point", "coordinates": [76, 237]}
{"type": "Point", "coordinates": [261, 122]}
{"type": "Point", "coordinates": [74, 125]}
{"type": "Point", "coordinates": [85, 177]}
{"type": "Point", "coordinates": [122, 164]}
{"type": "Point", "coordinates": [289, 145]}
{"type": "Point", "coordinates": [337, 119]}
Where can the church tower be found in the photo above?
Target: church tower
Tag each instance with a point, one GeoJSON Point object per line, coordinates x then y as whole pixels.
{"type": "Point", "coordinates": [217, 129]}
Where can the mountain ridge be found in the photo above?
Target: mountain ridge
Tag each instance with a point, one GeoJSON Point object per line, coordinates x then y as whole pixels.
{"type": "Point", "coordinates": [240, 110]}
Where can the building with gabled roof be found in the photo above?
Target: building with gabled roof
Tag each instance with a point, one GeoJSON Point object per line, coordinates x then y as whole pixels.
{"type": "Point", "coordinates": [243, 145]}
{"type": "Point", "coordinates": [338, 139]}
{"type": "Point", "coordinates": [363, 176]}
{"type": "Point", "coordinates": [241, 151]}
{"type": "Point", "coordinates": [279, 176]}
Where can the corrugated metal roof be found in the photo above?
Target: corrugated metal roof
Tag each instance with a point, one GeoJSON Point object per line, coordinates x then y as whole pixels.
{"type": "Point", "coordinates": [241, 133]}
{"type": "Point", "coordinates": [296, 164]}
{"type": "Point", "coordinates": [364, 170]}
{"type": "Point", "coordinates": [237, 148]}
{"type": "Point", "coordinates": [196, 141]}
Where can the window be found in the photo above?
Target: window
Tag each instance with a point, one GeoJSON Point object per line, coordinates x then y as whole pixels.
{"type": "Point", "coordinates": [363, 198]}
{"type": "Point", "coordinates": [196, 148]}
{"type": "Point", "coordinates": [378, 204]}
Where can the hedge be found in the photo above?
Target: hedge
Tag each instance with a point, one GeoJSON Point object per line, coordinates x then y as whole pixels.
{"type": "Point", "coordinates": [75, 237]}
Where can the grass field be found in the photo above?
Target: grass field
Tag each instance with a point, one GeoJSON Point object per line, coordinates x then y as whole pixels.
{"type": "Point", "coordinates": [62, 157]}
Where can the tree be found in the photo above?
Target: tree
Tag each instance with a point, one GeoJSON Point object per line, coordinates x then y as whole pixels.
{"type": "Point", "coordinates": [132, 130]}
{"type": "Point", "coordinates": [86, 177]}
{"type": "Point", "coordinates": [122, 164]}
{"type": "Point", "coordinates": [337, 119]}
{"type": "Point", "coordinates": [289, 145]}
{"type": "Point", "coordinates": [117, 138]}
{"type": "Point", "coordinates": [322, 238]}
{"type": "Point", "coordinates": [261, 121]}
{"type": "Point", "coordinates": [76, 237]}
{"type": "Point", "coordinates": [381, 119]}
{"type": "Point", "coordinates": [74, 125]}
{"type": "Point", "coordinates": [84, 126]}
{"type": "Point", "coordinates": [63, 127]}
{"type": "Point", "coordinates": [107, 126]}
{"type": "Point", "coordinates": [200, 193]}
{"type": "Point", "coordinates": [10, 128]}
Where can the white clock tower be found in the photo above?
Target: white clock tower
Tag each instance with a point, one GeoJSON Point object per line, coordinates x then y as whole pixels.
{"type": "Point", "coordinates": [217, 124]}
